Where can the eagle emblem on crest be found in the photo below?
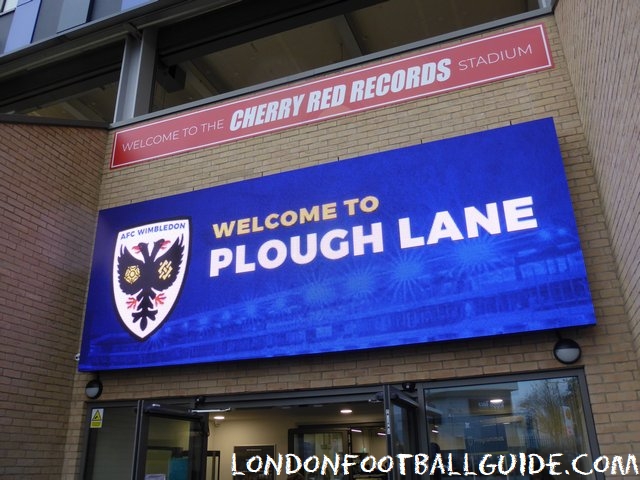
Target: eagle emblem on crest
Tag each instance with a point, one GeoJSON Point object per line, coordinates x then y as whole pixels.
{"type": "Point", "coordinates": [148, 272]}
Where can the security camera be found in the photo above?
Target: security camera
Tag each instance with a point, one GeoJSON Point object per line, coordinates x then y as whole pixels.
{"type": "Point", "coordinates": [77, 357]}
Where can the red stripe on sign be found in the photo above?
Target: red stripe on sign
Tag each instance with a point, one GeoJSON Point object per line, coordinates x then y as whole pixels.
{"type": "Point", "coordinates": [467, 64]}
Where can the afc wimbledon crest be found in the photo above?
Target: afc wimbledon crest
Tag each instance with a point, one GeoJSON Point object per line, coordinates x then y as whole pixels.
{"type": "Point", "coordinates": [149, 266]}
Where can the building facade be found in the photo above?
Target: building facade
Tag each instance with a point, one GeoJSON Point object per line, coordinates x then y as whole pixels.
{"type": "Point", "coordinates": [160, 419]}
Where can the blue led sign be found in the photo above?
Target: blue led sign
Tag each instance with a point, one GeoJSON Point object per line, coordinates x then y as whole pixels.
{"type": "Point", "coordinates": [461, 238]}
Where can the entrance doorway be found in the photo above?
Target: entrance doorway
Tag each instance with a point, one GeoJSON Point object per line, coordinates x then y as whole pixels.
{"type": "Point", "coordinates": [463, 421]}
{"type": "Point", "coordinates": [311, 424]}
{"type": "Point", "coordinates": [148, 441]}
{"type": "Point", "coordinates": [173, 444]}
{"type": "Point", "coordinates": [211, 438]}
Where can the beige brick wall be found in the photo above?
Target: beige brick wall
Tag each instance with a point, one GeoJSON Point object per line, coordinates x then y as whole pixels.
{"type": "Point", "coordinates": [601, 41]}
{"type": "Point", "coordinates": [49, 180]}
{"type": "Point", "coordinates": [608, 354]}
{"type": "Point", "coordinates": [609, 358]}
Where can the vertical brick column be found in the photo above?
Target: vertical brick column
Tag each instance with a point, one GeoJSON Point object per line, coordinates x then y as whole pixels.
{"type": "Point", "coordinates": [49, 187]}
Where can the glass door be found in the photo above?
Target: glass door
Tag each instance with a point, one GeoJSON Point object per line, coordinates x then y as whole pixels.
{"type": "Point", "coordinates": [401, 417]}
{"type": "Point", "coordinates": [173, 444]}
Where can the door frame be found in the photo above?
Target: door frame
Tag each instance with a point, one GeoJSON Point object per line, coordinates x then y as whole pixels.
{"type": "Point", "coordinates": [176, 408]}
{"type": "Point", "coordinates": [402, 398]}
{"type": "Point", "coordinates": [197, 451]}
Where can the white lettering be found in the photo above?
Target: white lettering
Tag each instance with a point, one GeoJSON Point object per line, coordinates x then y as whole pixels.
{"type": "Point", "coordinates": [443, 227]}
{"type": "Point", "coordinates": [220, 258]}
{"type": "Point", "coordinates": [518, 214]}
{"type": "Point", "coordinates": [327, 249]}
{"type": "Point", "coordinates": [490, 222]}
{"type": "Point", "coordinates": [276, 246]}
{"type": "Point", "coordinates": [333, 245]}
{"type": "Point", "coordinates": [503, 464]}
{"type": "Point", "coordinates": [406, 240]}
{"type": "Point", "coordinates": [399, 80]}
{"type": "Point", "coordinates": [266, 112]}
{"type": "Point", "coordinates": [374, 239]}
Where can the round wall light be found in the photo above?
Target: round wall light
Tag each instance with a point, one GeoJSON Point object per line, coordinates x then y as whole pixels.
{"type": "Point", "coordinates": [93, 388]}
{"type": "Point", "coordinates": [567, 351]}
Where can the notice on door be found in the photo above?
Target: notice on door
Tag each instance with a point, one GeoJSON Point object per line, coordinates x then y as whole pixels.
{"type": "Point", "coordinates": [97, 415]}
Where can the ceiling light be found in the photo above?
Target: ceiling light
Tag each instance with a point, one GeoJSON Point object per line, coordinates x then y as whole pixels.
{"type": "Point", "coordinates": [346, 411]}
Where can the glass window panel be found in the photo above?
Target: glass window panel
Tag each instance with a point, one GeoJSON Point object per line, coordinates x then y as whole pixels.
{"type": "Point", "coordinates": [110, 453]}
{"type": "Point", "coordinates": [320, 443]}
{"type": "Point", "coordinates": [540, 417]}
{"type": "Point", "coordinates": [169, 450]}
{"type": "Point", "coordinates": [9, 5]}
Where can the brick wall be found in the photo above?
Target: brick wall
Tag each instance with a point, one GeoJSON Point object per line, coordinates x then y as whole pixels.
{"type": "Point", "coordinates": [608, 353]}
{"type": "Point", "coordinates": [601, 43]}
{"type": "Point", "coordinates": [49, 180]}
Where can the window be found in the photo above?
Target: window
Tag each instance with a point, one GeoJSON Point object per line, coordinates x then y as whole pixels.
{"type": "Point", "coordinates": [254, 43]}
{"type": "Point", "coordinates": [8, 5]}
{"type": "Point", "coordinates": [196, 62]}
{"type": "Point", "coordinates": [110, 441]}
{"type": "Point", "coordinates": [542, 417]}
